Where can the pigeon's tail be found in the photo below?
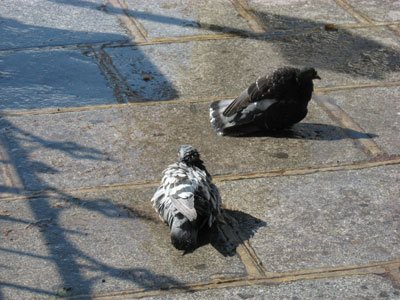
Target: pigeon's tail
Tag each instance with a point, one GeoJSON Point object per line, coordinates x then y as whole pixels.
{"type": "Point", "coordinates": [217, 119]}
{"type": "Point", "coordinates": [183, 234]}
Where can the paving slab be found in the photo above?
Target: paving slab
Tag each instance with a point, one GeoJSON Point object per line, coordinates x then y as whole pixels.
{"type": "Point", "coordinates": [153, 72]}
{"type": "Point", "coordinates": [375, 110]}
{"type": "Point", "coordinates": [298, 14]}
{"type": "Point", "coordinates": [351, 288]}
{"type": "Point", "coordinates": [165, 18]}
{"type": "Point", "coordinates": [37, 23]}
{"type": "Point", "coordinates": [90, 244]}
{"type": "Point", "coordinates": [347, 56]}
{"type": "Point", "coordinates": [225, 67]}
{"type": "Point", "coordinates": [379, 11]}
{"type": "Point", "coordinates": [119, 145]}
{"type": "Point", "coordinates": [191, 70]}
{"type": "Point", "coordinates": [77, 238]}
{"type": "Point", "coordinates": [322, 220]}
{"type": "Point", "coordinates": [51, 78]}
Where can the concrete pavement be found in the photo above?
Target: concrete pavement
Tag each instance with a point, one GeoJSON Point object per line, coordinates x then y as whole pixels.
{"type": "Point", "coordinates": [96, 96]}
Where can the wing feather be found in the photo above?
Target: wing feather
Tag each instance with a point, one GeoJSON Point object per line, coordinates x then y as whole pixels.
{"type": "Point", "coordinates": [265, 87]}
{"type": "Point", "coordinates": [181, 193]}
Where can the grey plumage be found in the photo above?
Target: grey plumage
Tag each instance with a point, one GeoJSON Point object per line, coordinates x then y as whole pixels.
{"type": "Point", "coordinates": [187, 200]}
{"type": "Point", "coordinates": [272, 102]}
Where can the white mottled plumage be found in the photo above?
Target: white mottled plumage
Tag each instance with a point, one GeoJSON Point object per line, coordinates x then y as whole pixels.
{"type": "Point", "coordinates": [187, 199]}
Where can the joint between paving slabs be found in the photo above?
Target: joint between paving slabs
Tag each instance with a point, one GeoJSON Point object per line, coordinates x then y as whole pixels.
{"type": "Point", "coordinates": [395, 28]}
{"type": "Point", "coordinates": [258, 33]}
{"type": "Point", "coordinates": [364, 142]}
{"type": "Point", "coordinates": [127, 91]}
{"type": "Point", "coordinates": [323, 90]}
{"type": "Point", "coordinates": [122, 91]}
{"type": "Point", "coordinates": [393, 25]}
{"type": "Point", "coordinates": [230, 229]}
{"type": "Point", "coordinates": [368, 25]}
{"type": "Point", "coordinates": [144, 40]}
{"type": "Point", "coordinates": [220, 179]}
{"type": "Point", "coordinates": [135, 28]}
{"type": "Point", "coordinates": [377, 268]}
{"type": "Point", "coordinates": [244, 10]}
{"type": "Point", "coordinates": [191, 38]}
{"type": "Point", "coordinates": [359, 16]}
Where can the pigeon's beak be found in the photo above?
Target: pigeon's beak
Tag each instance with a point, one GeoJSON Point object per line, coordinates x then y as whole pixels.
{"type": "Point", "coordinates": [317, 77]}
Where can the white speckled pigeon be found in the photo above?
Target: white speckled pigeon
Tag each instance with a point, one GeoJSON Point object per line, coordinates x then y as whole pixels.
{"type": "Point", "coordinates": [187, 200]}
{"type": "Point", "coordinates": [272, 102]}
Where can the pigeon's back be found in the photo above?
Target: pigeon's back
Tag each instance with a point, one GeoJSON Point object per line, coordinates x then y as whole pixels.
{"type": "Point", "coordinates": [187, 190]}
{"type": "Point", "coordinates": [276, 86]}
{"type": "Point", "coordinates": [282, 83]}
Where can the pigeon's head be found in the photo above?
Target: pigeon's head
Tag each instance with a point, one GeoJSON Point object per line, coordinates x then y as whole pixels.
{"type": "Point", "coordinates": [188, 154]}
{"type": "Point", "coordinates": [183, 234]}
{"type": "Point", "coordinates": [308, 74]}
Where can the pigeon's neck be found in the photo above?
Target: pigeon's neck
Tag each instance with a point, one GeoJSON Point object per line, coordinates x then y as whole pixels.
{"type": "Point", "coordinates": [306, 89]}
{"type": "Point", "coordinates": [196, 163]}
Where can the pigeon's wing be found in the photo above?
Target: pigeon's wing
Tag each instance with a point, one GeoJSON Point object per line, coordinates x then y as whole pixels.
{"type": "Point", "coordinates": [216, 203]}
{"type": "Point", "coordinates": [207, 201]}
{"type": "Point", "coordinates": [215, 198]}
{"type": "Point", "coordinates": [265, 87]}
{"type": "Point", "coordinates": [180, 190]}
{"type": "Point", "coordinates": [248, 96]}
{"type": "Point", "coordinates": [250, 113]}
{"type": "Point", "coordinates": [183, 199]}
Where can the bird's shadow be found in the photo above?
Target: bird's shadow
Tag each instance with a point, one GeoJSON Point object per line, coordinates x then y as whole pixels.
{"type": "Point", "coordinates": [226, 234]}
{"type": "Point", "coordinates": [304, 131]}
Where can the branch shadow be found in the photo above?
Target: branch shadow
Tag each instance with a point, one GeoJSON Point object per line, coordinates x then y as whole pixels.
{"type": "Point", "coordinates": [73, 76]}
{"type": "Point", "coordinates": [343, 51]}
{"type": "Point", "coordinates": [300, 41]}
{"type": "Point", "coordinates": [46, 210]}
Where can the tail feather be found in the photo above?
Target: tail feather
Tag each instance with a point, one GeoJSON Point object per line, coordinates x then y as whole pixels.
{"type": "Point", "coordinates": [217, 119]}
{"type": "Point", "coordinates": [183, 235]}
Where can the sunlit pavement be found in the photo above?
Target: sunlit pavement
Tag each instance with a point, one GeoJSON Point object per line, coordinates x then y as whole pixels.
{"type": "Point", "coordinates": [95, 98]}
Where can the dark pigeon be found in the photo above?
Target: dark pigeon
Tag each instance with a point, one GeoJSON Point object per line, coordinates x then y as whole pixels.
{"type": "Point", "coordinates": [272, 102]}
{"type": "Point", "coordinates": [187, 200]}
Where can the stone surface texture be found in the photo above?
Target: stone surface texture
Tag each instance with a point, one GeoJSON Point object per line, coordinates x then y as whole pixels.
{"type": "Point", "coordinates": [97, 95]}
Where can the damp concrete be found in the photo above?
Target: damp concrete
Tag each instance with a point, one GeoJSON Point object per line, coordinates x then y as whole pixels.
{"type": "Point", "coordinates": [66, 150]}
{"type": "Point", "coordinates": [95, 98]}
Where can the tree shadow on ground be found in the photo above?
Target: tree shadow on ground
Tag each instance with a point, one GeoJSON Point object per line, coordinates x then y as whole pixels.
{"type": "Point", "coordinates": [300, 42]}
{"type": "Point", "coordinates": [344, 51]}
{"type": "Point", "coordinates": [42, 217]}
{"type": "Point", "coordinates": [73, 76]}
